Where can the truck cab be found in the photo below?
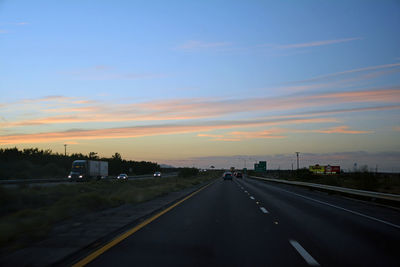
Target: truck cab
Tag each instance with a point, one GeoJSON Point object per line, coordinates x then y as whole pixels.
{"type": "Point", "coordinates": [78, 171]}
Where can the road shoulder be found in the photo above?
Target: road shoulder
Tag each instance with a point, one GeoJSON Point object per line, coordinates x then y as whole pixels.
{"type": "Point", "coordinates": [76, 236]}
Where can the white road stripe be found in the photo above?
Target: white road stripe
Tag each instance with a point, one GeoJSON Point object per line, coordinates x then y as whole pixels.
{"type": "Point", "coordinates": [251, 197]}
{"type": "Point", "coordinates": [306, 256]}
{"type": "Point", "coordinates": [264, 210]}
{"type": "Point", "coordinates": [340, 208]}
{"type": "Point", "coordinates": [245, 191]}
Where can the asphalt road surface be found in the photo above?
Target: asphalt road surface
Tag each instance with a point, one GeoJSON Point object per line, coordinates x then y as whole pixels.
{"type": "Point", "coordinates": [253, 223]}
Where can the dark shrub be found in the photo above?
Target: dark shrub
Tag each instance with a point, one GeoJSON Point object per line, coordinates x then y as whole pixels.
{"type": "Point", "coordinates": [188, 172]}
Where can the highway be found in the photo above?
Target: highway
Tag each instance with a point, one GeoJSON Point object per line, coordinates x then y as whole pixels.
{"type": "Point", "coordinates": [254, 223]}
{"type": "Point", "coordinates": [54, 182]}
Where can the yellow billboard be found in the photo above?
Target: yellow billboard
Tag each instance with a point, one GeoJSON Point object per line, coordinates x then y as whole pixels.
{"type": "Point", "coordinates": [317, 169]}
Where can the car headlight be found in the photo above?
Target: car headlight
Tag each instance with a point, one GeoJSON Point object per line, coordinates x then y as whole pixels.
{"type": "Point", "coordinates": [69, 176]}
{"type": "Point", "coordinates": [80, 176]}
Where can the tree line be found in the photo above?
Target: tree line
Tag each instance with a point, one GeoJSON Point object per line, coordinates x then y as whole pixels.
{"type": "Point", "coordinates": [31, 163]}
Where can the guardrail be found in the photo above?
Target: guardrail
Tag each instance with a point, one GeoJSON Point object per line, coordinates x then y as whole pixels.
{"type": "Point", "coordinates": [61, 180]}
{"type": "Point", "coordinates": [33, 181]}
{"type": "Point", "coordinates": [348, 191]}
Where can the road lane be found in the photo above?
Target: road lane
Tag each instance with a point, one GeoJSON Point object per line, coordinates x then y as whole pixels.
{"type": "Point", "coordinates": [246, 222]}
{"type": "Point", "coordinates": [219, 226]}
{"type": "Point", "coordinates": [326, 226]}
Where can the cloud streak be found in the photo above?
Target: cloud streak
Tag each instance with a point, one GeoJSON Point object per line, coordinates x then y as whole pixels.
{"type": "Point", "coordinates": [341, 130]}
{"type": "Point", "coordinates": [278, 133]}
{"type": "Point", "coordinates": [341, 73]}
{"type": "Point", "coordinates": [150, 130]}
{"type": "Point", "coordinates": [104, 72]}
{"type": "Point", "coordinates": [318, 43]}
{"type": "Point", "coordinates": [311, 44]}
{"type": "Point", "coordinates": [86, 111]}
{"type": "Point", "coordinates": [193, 45]}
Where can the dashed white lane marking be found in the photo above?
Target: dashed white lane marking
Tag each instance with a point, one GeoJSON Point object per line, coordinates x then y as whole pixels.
{"type": "Point", "coordinates": [264, 210]}
{"type": "Point", "coordinates": [245, 191]}
{"type": "Point", "coordinates": [340, 208]}
{"type": "Point", "coordinates": [251, 197]}
{"type": "Point", "coordinates": [306, 256]}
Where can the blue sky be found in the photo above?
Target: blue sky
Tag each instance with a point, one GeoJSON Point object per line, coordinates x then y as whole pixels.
{"type": "Point", "coordinates": [201, 79]}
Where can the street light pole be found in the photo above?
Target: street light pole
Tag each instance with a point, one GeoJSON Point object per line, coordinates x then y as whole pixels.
{"type": "Point", "coordinates": [65, 149]}
{"type": "Point", "coordinates": [297, 154]}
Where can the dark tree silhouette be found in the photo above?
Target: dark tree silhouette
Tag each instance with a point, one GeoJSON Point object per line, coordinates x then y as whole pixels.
{"type": "Point", "coordinates": [34, 163]}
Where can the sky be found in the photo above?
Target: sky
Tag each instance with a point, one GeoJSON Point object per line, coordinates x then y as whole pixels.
{"type": "Point", "coordinates": [201, 83]}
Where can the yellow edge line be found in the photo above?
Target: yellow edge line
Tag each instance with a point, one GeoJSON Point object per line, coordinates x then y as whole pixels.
{"type": "Point", "coordinates": [125, 235]}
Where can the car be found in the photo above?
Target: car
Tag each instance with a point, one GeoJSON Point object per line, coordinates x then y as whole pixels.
{"type": "Point", "coordinates": [239, 175]}
{"type": "Point", "coordinates": [157, 174]}
{"type": "Point", "coordinates": [122, 176]}
{"type": "Point", "coordinates": [227, 176]}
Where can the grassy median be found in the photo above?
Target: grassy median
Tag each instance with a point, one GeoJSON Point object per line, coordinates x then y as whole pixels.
{"type": "Point", "coordinates": [28, 213]}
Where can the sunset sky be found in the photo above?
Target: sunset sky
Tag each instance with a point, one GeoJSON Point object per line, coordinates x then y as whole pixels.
{"type": "Point", "coordinates": [200, 83]}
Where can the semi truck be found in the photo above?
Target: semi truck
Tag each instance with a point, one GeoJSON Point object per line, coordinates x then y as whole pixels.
{"type": "Point", "coordinates": [84, 170]}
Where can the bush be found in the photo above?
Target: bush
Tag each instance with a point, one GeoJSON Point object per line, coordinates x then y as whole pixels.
{"type": "Point", "coordinates": [188, 172]}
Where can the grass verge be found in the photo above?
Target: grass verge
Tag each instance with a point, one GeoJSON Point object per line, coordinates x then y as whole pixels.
{"type": "Point", "coordinates": [378, 182]}
{"type": "Point", "coordinates": [27, 214]}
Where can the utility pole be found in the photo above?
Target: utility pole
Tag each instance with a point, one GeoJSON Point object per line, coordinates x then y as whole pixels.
{"type": "Point", "coordinates": [65, 149]}
{"type": "Point", "coordinates": [297, 153]}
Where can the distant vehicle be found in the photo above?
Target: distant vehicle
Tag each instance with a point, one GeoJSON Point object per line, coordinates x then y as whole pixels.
{"type": "Point", "coordinates": [122, 176]}
{"type": "Point", "coordinates": [83, 170]}
{"type": "Point", "coordinates": [227, 176]}
{"type": "Point", "coordinates": [157, 174]}
{"type": "Point", "coordinates": [239, 175]}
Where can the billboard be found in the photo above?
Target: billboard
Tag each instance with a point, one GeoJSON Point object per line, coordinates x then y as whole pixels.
{"type": "Point", "coordinates": [332, 169]}
{"type": "Point", "coordinates": [317, 169]}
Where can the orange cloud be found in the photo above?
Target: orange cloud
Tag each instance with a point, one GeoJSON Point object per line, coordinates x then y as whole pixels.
{"type": "Point", "coordinates": [388, 95]}
{"type": "Point", "coordinates": [277, 133]}
{"type": "Point", "coordinates": [268, 134]}
{"type": "Point", "coordinates": [75, 110]}
{"type": "Point", "coordinates": [341, 129]}
{"type": "Point", "coordinates": [151, 130]}
{"type": "Point", "coordinates": [211, 135]}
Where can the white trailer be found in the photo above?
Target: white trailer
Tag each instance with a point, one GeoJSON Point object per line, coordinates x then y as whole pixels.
{"type": "Point", "coordinates": [98, 169]}
{"type": "Point", "coordinates": [88, 169]}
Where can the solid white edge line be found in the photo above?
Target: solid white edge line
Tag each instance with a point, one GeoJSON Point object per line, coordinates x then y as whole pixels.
{"type": "Point", "coordinates": [306, 256]}
{"type": "Point", "coordinates": [340, 208]}
{"type": "Point", "coordinates": [251, 197]}
{"type": "Point", "coordinates": [264, 210]}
